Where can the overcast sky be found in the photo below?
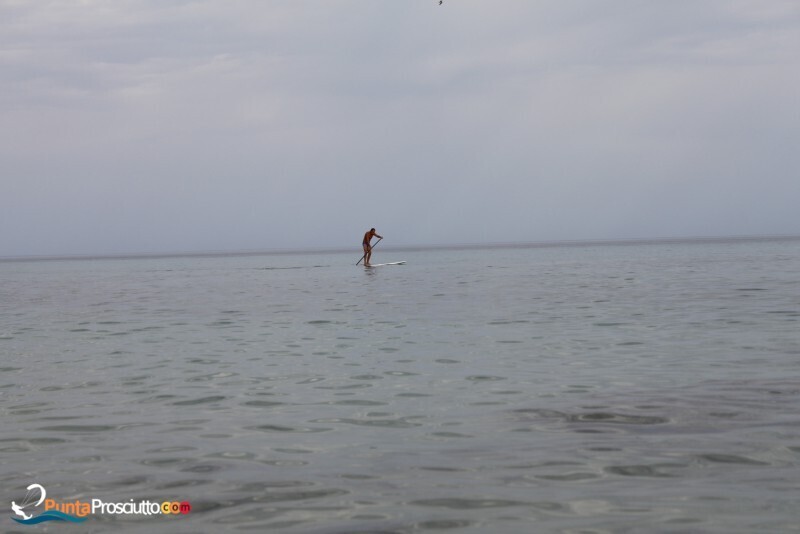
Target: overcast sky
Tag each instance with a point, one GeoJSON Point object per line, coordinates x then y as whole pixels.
{"type": "Point", "coordinates": [170, 126]}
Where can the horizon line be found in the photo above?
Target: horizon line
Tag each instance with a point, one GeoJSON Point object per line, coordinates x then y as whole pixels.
{"type": "Point", "coordinates": [433, 246]}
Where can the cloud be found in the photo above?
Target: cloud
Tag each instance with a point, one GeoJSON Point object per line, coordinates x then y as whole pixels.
{"type": "Point", "coordinates": [178, 125]}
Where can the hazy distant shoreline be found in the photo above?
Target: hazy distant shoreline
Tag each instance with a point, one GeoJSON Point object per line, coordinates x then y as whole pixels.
{"type": "Point", "coordinates": [451, 246]}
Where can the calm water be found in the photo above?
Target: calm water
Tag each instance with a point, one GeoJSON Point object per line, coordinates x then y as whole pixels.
{"type": "Point", "coordinates": [639, 388]}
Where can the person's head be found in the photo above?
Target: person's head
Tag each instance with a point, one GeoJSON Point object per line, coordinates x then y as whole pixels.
{"type": "Point", "coordinates": [372, 230]}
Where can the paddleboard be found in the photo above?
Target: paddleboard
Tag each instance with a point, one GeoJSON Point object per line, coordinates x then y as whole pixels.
{"type": "Point", "coordinates": [384, 264]}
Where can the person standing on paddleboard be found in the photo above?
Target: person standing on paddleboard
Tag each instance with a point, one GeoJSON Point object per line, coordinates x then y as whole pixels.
{"type": "Point", "coordinates": [367, 247]}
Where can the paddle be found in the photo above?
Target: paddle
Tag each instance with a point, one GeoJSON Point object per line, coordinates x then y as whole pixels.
{"type": "Point", "coordinates": [365, 254]}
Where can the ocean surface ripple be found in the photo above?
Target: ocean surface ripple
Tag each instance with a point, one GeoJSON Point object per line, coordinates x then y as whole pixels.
{"type": "Point", "coordinates": [636, 388]}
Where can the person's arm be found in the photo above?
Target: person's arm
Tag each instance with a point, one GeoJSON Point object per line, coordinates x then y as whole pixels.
{"type": "Point", "coordinates": [379, 236]}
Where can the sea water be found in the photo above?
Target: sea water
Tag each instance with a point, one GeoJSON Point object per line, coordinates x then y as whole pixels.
{"type": "Point", "coordinates": [615, 388]}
